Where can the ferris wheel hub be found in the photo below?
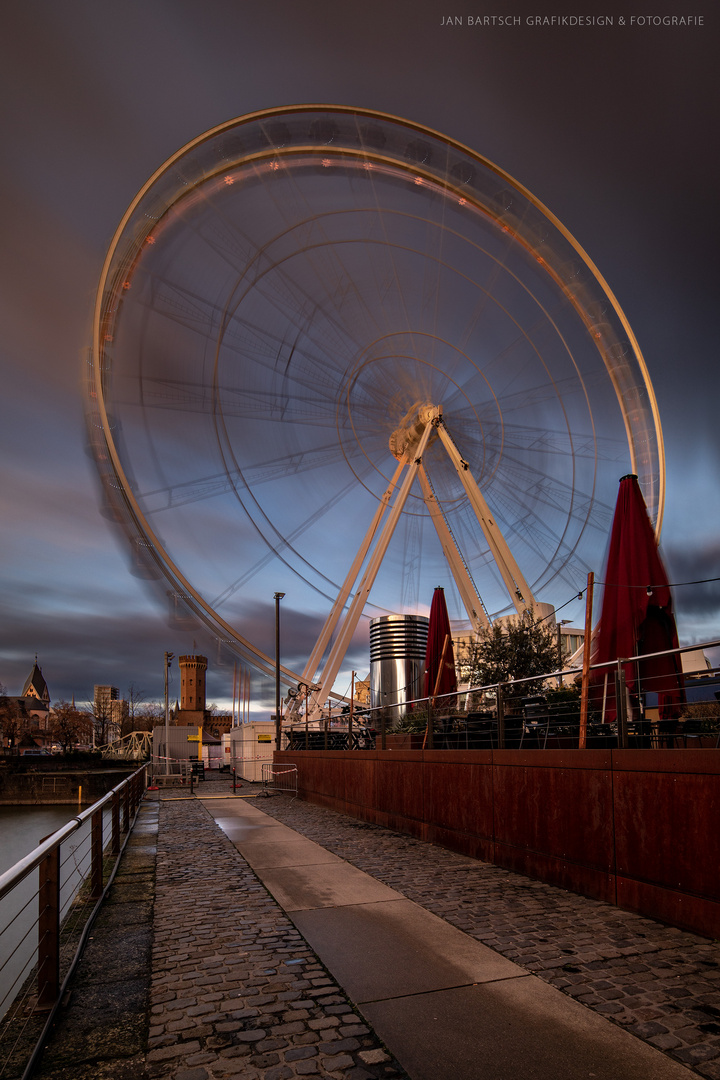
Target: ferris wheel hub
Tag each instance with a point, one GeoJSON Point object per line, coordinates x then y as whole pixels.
{"type": "Point", "coordinates": [406, 437]}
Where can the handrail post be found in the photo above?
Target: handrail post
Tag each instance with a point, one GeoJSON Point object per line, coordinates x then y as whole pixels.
{"type": "Point", "coordinates": [430, 725]}
{"type": "Point", "coordinates": [48, 977]}
{"type": "Point", "coordinates": [383, 719]}
{"type": "Point", "coordinates": [126, 808]}
{"type": "Point", "coordinates": [115, 823]}
{"type": "Point", "coordinates": [621, 706]}
{"type": "Point", "coordinates": [96, 855]}
{"type": "Point", "coordinates": [587, 645]}
{"type": "Point", "coordinates": [500, 717]}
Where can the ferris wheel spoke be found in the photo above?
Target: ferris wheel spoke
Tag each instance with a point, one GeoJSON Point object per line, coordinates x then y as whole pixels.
{"type": "Point", "coordinates": [186, 396]}
{"type": "Point", "coordinates": [246, 340]}
{"type": "Point", "coordinates": [283, 293]}
{"type": "Point", "coordinates": [555, 498]}
{"type": "Point", "coordinates": [299, 530]}
{"type": "Point", "coordinates": [184, 493]}
{"type": "Point", "coordinates": [337, 282]}
{"type": "Point", "coordinates": [405, 322]}
{"type": "Point", "coordinates": [266, 472]}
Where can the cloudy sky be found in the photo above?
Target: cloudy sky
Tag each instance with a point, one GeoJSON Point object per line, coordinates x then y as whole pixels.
{"type": "Point", "coordinates": [614, 128]}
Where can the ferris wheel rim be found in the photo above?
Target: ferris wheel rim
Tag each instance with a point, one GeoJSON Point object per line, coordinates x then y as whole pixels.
{"type": "Point", "coordinates": [105, 289]}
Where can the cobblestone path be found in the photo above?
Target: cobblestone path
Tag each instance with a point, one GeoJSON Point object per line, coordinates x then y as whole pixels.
{"type": "Point", "coordinates": [660, 983]}
{"type": "Point", "coordinates": [257, 1005]}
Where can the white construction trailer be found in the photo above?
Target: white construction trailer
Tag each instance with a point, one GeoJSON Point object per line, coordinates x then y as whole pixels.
{"type": "Point", "coordinates": [251, 746]}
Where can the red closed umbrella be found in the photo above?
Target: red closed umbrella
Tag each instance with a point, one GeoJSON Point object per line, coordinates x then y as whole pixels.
{"type": "Point", "coordinates": [637, 613]}
{"type": "Point", "coordinates": [440, 676]}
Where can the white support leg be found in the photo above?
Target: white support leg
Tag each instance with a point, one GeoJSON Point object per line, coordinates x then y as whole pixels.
{"type": "Point", "coordinates": [468, 594]}
{"type": "Point", "coordinates": [333, 618]}
{"type": "Point", "coordinates": [510, 572]}
{"type": "Point", "coordinates": [340, 647]}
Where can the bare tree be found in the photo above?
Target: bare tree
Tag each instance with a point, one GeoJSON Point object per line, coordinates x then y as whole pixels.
{"type": "Point", "coordinates": [70, 725]}
{"type": "Point", "coordinates": [135, 697]}
{"type": "Point", "coordinates": [99, 719]}
{"type": "Point", "coordinates": [149, 715]}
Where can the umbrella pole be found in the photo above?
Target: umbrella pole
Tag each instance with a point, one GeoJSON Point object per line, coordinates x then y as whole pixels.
{"type": "Point", "coordinates": [622, 710]}
{"type": "Point", "coordinates": [582, 743]}
{"type": "Point", "coordinates": [350, 720]}
{"type": "Point", "coordinates": [429, 733]}
{"type": "Point", "coordinates": [441, 666]}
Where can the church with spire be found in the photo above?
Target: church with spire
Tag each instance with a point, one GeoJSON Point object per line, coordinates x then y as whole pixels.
{"type": "Point", "coordinates": [36, 687]}
{"type": "Point", "coordinates": [32, 708]}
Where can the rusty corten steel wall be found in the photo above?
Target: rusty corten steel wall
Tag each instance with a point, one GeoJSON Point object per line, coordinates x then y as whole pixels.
{"type": "Point", "coordinates": [637, 828]}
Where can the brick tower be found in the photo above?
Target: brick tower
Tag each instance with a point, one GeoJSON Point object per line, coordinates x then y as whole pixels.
{"type": "Point", "coordinates": [192, 684]}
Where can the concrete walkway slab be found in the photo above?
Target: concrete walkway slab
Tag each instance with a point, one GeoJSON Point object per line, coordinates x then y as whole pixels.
{"type": "Point", "coordinates": [283, 852]}
{"type": "Point", "coordinates": [510, 1029]}
{"type": "Point", "coordinates": [396, 948]}
{"type": "Point", "coordinates": [322, 885]}
{"type": "Point", "coordinates": [254, 830]}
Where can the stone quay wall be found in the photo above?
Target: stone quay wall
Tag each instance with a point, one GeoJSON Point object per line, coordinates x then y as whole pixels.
{"type": "Point", "coordinates": [59, 788]}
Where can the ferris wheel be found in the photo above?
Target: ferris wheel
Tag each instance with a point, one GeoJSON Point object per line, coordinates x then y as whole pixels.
{"type": "Point", "coordinates": [340, 354]}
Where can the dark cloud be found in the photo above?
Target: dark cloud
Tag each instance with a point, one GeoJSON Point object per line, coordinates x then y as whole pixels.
{"type": "Point", "coordinates": [126, 644]}
{"type": "Point", "coordinates": [695, 573]}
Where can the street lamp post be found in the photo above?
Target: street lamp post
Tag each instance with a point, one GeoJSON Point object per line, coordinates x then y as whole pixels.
{"type": "Point", "coordinates": [168, 661]}
{"type": "Point", "coordinates": [278, 724]}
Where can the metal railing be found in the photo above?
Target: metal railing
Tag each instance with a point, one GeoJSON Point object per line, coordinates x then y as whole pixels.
{"type": "Point", "coordinates": [136, 746]}
{"type": "Point", "coordinates": [280, 778]}
{"type": "Point", "coordinates": [626, 709]}
{"type": "Point", "coordinates": [172, 771]}
{"type": "Point", "coordinates": [48, 902]}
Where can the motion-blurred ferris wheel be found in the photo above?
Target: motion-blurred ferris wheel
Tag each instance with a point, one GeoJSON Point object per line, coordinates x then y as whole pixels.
{"type": "Point", "coordinates": [340, 354]}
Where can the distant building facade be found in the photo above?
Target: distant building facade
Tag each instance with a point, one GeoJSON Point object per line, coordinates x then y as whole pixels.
{"type": "Point", "coordinates": [110, 712]}
{"type": "Point", "coordinates": [362, 691]}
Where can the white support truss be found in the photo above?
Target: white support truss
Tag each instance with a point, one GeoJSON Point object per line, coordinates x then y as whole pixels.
{"type": "Point", "coordinates": [468, 593]}
{"type": "Point", "coordinates": [412, 460]}
{"type": "Point", "coordinates": [515, 583]}
{"type": "Point", "coordinates": [408, 444]}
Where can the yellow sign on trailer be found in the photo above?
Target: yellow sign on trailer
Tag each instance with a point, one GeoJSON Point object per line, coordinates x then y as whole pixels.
{"type": "Point", "coordinates": [198, 739]}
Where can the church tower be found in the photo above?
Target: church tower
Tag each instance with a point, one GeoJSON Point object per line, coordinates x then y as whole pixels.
{"type": "Point", "coordinates": [35, 685]}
